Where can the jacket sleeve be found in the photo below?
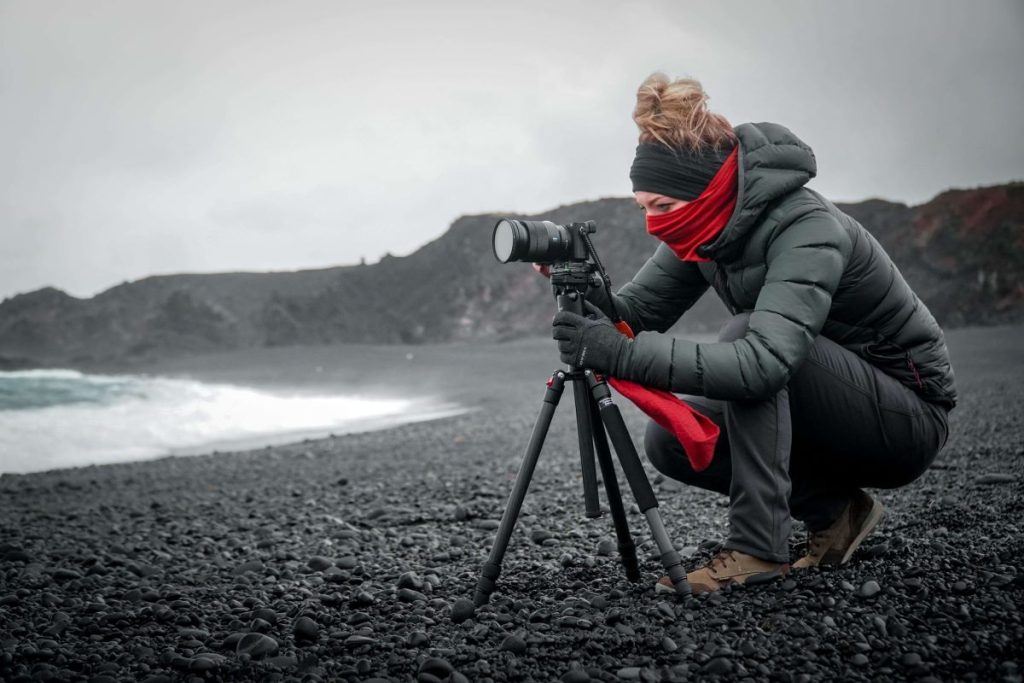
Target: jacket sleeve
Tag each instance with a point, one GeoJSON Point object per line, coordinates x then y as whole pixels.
{"type": "Point", "coordinates": [662, 290]}
{"type": "Point", "coordinates": [805, 262]}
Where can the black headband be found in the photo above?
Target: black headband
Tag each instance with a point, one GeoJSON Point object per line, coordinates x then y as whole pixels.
{"type": "Point", "coordinates": [674, 172]}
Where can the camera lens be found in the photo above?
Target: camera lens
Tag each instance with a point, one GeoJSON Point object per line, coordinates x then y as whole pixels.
{"type": "Point", "coordinates": [537, 241]}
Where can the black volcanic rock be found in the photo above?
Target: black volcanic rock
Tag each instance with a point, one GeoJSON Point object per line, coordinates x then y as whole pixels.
{"type": "Point", "coordinates": [942, 603]}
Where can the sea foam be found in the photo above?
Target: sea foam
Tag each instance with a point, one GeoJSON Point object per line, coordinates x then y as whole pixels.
{"type": "Point", "coordinates": [63, 418]}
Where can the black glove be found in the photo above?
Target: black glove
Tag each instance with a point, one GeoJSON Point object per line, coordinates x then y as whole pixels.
{"type": "Point", "coordinates": [584, 342]}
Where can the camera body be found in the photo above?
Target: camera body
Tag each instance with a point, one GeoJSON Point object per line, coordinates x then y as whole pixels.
{"type": "Point", "coordinates": [542, 242]}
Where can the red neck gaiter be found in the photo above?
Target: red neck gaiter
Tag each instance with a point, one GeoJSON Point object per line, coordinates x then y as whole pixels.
{"type": "Point", "coordinates": [699, 221]}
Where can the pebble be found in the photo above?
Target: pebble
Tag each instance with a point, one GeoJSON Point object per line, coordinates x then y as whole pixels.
{"type": "Point", "coordinates": [305, 629]}
{"type": "Point", "coordinates": [410, 580]}
{"type": "Point", "coordinates": [538, 536]}
{"type": "Point", "coordinates": [358, 641]}
{"type": "Point", "coordinates": [859, 659]}
{"type": "Point", "coordinates": [437, 666]}
{"type": "Point", "coordinates": [718, 666]}
{"type": "Point", "coordinates": [629, 673]}
{"type": "Point", "coordinates": [363, 599]}
{"type": "Point", "coordinates": [204, 662]}
{"type": "Point", "coordinates": [319, 563]}
{"type": "Point", "coordinates": [142, 569]}
{"type": "Point", "coordinates": [267, 615]}
{"type": "Point", "coordinates": [606, 547]}
{"type": "Point", "coordinates": [417, 639]}
{"type": "Point", "coordinates": [869, 589]}
{"type": "Point", "coordinates": [282, 662]}
{"type": "Point", "coordinates": [17, 555]}
{"type": "Point", "coordinates": [257, 645]}
{"type": "Point", "coordinates": [911, 659]}
{"type": "Point", "coordinates": [409, 595]}
{"type": "Point", "coordinates": [66, 575]}
{"type": "Point", "coordinates": [668, 645]}
{"type": "Point", "coordinates": [875, 551]}
{"type": "Point", "coordinates": [250, 566]}
{"type": "Point", "coordinates": [513, 644]}
{"type": "Point", "coordinates": [462, 610]}
{"type": "Point", "coordinates": [575, 676]}
{"type": "Point", "coordinates": [995, 478]}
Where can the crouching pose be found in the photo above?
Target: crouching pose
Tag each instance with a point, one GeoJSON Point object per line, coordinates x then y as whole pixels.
{"type": "Point", "coordinates": [831, 376]}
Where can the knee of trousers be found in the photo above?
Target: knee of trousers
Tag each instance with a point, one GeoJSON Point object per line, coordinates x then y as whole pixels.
{"type": "Point", "coordinates": [666, 454]}
{"type": "Point", "coordinates": [734, 328]}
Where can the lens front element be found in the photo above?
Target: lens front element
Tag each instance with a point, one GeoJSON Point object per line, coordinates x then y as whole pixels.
{"type": "Point", "coordinates": [504, 241]}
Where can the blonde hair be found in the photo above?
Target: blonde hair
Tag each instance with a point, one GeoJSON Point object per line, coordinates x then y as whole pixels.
{"type": "Point", "coordinates": [675, 113]}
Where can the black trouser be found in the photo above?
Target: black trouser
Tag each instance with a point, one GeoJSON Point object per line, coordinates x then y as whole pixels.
{"type": "Point", "coordinates": [840, 424]}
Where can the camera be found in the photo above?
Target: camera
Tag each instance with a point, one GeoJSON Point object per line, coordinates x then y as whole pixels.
{"type": "Point", "coordinates": [541, 241]}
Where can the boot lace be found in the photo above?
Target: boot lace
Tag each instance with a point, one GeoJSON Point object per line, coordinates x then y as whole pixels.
{"type": "Point", "coordinates": [817, 543]}
{"type": "Point", "coordinates": [722, 559]}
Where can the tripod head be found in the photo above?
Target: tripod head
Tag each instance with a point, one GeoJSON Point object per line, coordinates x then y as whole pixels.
{"type": "Point", "coordinates": [572, 278]}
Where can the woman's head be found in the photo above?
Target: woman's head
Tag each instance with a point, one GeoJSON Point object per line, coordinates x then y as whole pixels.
{"type": "Point", "coordinates": [682, 143]}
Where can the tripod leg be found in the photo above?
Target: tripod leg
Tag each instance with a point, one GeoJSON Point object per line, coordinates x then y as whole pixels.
{"type": "Point", "coordinates": [627, 548]}
{"type": "Point", "coordinates": [585, 428]}
{"type": "Point", "coordinates": [638, 482]}
{"type": "Point", "coordinates": [492, 567]}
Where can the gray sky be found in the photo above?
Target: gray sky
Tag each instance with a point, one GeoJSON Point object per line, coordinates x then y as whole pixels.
{"type": "Point", "coordinates": [145, 136]}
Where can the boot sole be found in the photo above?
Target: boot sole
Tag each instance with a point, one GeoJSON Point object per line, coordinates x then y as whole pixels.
{"type": "Point", "coordinates": [870, 522]}
{"type": "Point", "coordinates": [751, 580]}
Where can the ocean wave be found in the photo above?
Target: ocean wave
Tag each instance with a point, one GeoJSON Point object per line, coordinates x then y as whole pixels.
{"type": "Point", "coordinates": [89, 419]}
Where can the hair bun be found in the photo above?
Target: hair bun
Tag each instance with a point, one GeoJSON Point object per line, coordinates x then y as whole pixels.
{"type": "Point", "coordinates": [675, 113]}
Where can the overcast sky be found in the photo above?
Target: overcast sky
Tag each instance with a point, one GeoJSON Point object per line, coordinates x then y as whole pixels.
{"type": "Point", "coordinates": [145, 137]}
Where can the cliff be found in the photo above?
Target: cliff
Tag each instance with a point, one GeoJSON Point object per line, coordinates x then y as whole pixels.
{"type": "Point", "coordinates": [962, 252]}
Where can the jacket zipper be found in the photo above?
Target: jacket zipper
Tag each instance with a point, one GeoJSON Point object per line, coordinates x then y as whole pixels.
{"type": "Point", "coordinates": [723, 287]}
{"type": "Point", "coordinates": [913, 368]}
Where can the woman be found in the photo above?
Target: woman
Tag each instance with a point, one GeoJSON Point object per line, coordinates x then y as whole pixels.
{"type": "Point", "coordinates": [832, 375]}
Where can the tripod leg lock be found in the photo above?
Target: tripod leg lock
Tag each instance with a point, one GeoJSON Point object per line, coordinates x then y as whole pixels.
{"type": "Point", "coordinates": [485, 586]}
{"type": "Point", "coordinates": [673, 564]}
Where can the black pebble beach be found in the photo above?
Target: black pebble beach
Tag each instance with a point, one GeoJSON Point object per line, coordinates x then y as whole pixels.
{"type": "Point", "coordinates": [355, 558]}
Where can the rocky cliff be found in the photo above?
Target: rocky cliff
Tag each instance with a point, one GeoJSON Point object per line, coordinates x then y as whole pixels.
{"type": "Point", "coordinates": [962, 252]}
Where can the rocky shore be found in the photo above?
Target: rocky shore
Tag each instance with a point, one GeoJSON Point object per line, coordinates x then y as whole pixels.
{"type": "Point", "coordinates": [353, 558]}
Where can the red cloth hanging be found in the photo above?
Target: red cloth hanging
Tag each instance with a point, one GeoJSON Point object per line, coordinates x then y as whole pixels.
{"type": "Point", "coordinates": [697, 433]}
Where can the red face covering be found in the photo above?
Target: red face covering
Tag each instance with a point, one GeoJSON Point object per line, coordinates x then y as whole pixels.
{"type": "Point", "coordinates": [698, 222]}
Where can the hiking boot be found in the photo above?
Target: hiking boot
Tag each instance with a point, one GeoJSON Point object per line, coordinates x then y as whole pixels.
{"type": "Point", "coordinates": [833, 546]}
{"type": "Point", "coordinates": [725, 568]}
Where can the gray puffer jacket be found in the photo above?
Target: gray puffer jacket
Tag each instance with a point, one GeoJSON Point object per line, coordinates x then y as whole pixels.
{"type": "Point", "coordinates": [801, 267]}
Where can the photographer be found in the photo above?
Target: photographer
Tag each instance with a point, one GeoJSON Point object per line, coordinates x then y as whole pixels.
{"type": "Point", "coordinates": [832, 375]}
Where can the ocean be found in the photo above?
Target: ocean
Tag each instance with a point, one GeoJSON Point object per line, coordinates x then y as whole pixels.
{"type": "Point", "coordinates": [63, 418]}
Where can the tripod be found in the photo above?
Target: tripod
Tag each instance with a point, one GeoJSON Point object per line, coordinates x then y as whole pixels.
{"type": "Point", "coordinates": [595, 414]}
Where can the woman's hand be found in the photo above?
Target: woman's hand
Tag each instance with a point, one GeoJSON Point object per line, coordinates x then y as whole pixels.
{"type": "Point", "coordinates": [588, 343]}
{"type": "Point", "coordinates": [543, 268]}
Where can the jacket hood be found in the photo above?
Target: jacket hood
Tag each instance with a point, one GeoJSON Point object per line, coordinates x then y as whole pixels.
{"type": "Point", "coordinates": [772, 163]}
